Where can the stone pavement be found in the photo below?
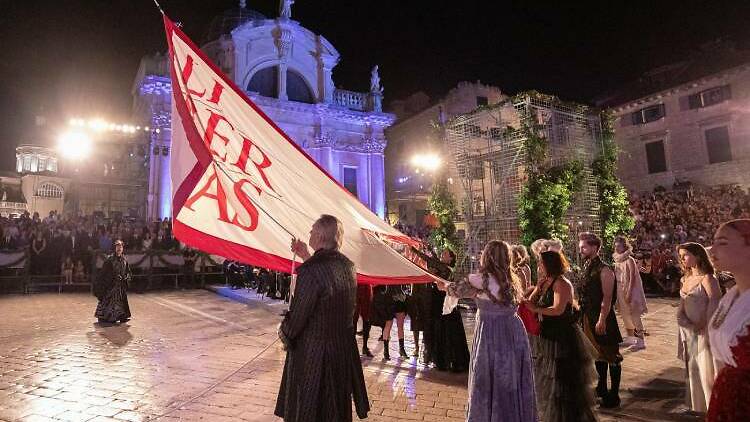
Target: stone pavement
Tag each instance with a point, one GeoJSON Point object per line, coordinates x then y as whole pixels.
{"type": "Point", "coordinates": [197, 356]}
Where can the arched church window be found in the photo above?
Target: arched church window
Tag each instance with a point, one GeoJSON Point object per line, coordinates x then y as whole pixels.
{"type": "Point", "coordinates": [297, 89]}
{"type": "Point", "coordinates": [265, 82]}
{"type": "Point", "coordinates": [49, 190]}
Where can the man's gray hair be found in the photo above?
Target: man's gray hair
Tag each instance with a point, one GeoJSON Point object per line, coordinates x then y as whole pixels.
{"type": "Point", "coordinates": [331, 232]}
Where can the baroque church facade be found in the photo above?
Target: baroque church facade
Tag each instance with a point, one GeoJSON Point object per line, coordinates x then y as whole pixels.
{"type": "Point", "coordinates": [286, 70]}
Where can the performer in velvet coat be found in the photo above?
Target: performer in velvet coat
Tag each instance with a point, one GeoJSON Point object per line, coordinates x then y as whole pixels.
{"type": "Point", "coordinates": [322, 371]}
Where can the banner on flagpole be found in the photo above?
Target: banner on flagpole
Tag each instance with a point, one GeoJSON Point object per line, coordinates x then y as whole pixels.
{"type": "Point", "coordinates": [243, 189]}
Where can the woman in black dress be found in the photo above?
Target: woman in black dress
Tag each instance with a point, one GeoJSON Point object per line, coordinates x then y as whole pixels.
{"type": "Point", "coordinates": [450, 351]}
{"type": "Point", "coordinates": [562, 371]}
{"type": "Point", "coordinates": [388, 302]}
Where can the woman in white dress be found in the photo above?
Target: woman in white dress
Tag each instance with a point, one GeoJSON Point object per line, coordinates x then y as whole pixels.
{"type": "Point", "coordinates": [631, 301]}
{"type": "Point", "coordinates": [699, 297]}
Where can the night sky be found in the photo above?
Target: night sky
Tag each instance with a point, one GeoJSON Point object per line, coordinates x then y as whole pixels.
{"type": "Point", "coordinates": [71, 58]}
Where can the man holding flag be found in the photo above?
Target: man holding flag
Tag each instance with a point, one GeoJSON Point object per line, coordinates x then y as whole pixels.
{"type": "Point", "coordinates": [322, 371]}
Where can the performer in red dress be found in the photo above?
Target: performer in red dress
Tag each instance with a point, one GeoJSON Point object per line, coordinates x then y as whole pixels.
{"type": "Point", "coordinates": [729, 330]}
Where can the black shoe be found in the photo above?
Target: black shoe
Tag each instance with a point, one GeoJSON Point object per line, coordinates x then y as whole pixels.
{"type": "Point", "coordinates": [124, 320]}
{"type": "Point", "coordinates": [366, 352]}
{"type": "Point", "coordinates": [610, 401]}
{"type": "Point", "coordinates": [386, 351]}
{"type": "Point", "coordinates": [360, 333]}
{"type": "Point", "coordinates": [401, 349]}
{"type": "Point", "coordinates": [601, 392]}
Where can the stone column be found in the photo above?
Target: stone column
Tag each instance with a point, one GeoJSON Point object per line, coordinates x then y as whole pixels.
{"type": "Point", "coordinates": [282, 81]}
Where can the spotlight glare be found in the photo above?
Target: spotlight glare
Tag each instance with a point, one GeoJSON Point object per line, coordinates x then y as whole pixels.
{"type": "Point", "coordinates": [74, 145]}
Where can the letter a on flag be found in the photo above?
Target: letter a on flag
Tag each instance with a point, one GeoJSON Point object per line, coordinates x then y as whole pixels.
{"type": "Point", "coordinates": [243, 189]}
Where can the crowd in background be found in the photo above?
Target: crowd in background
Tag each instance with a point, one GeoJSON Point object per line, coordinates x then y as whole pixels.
{"type": "Point", "coordinates": [666, 219]}
{"type": "Point", "coordinates": [66, 244]}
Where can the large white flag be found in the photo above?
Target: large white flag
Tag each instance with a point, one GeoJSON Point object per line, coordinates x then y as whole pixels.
{"type": "Point", "coordinates": [243, 189]}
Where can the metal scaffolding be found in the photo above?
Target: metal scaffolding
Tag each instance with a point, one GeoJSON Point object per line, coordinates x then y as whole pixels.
{"type": "Point", "coordinates": [487, 151]}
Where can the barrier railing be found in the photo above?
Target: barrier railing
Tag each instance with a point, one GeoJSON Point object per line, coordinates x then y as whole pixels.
{"type": "Point", "coordinates": [150, 269]}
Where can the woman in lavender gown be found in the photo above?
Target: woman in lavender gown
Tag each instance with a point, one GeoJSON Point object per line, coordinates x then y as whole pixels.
{"type": "Point", "coordinates": [501, 381]}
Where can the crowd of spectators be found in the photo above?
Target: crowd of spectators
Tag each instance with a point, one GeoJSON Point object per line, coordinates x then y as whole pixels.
{"type": "Point", "coordinates": [665, 219]}
{"type": "Point", "coordinates": [268, 283]}
{"type": "Point", "coordinates": [66, 244]}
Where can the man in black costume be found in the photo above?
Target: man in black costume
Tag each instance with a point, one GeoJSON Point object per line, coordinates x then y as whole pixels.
{"type": "Point", "coordinates": [111, 287]}
{"type": "Point", "coordinates": [322, 371]}
{"type": "Point", "coordinates": [598, 295]}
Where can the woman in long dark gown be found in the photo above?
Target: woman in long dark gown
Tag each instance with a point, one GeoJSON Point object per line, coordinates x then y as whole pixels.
{"type": "Point", "coordinates": [111, 288]}
{"type": "Point", "coordinates": [448, 347]}
{"type": "Point", "coordinates": [562, 371]}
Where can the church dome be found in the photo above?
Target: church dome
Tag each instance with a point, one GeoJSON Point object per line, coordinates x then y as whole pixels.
{"type": "Point", "coordinates": [224, 24]}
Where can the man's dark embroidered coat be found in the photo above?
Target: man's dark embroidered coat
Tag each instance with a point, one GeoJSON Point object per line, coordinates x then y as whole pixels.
{"type": "Point", "coordinates": [322, 372]}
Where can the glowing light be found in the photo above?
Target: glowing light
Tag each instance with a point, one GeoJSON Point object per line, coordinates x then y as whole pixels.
{"type": "Point", "coordinates": [98, 125]}
{"type": "Point", "coordinates": [429, 161]}
{"type": "Point", "coordinates": [74, 145]}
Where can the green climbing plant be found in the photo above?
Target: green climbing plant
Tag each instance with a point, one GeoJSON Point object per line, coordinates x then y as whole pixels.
{"type": "Point", "coordinates": [549, 190]}
{"type": "Point", "coordinates": [615, 216]}
{"type": "Point", "coordinates": [442, 204]}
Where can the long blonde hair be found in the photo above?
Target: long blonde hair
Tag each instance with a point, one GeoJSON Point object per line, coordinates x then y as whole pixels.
{"type": "Point", "coordinates": [495, 261]}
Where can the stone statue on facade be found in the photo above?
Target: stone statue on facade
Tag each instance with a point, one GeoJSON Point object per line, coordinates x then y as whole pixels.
{"type": "Point", "coordinates": [376, 90]}
{"type": "Point", "coordinates": [285, 9]}
{"type": "Point", "coordinates": [375, 81]}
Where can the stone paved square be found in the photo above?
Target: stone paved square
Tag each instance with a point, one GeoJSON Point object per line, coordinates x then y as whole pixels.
{"type": "Point", "coordinates": [197, 356]}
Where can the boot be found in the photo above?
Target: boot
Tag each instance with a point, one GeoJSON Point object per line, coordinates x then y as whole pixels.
{"type": "Point", "coordinates": [612, 399]}
{"type": "Point", "coordinates": [639, 344]}
{"type": "Point", "coordinates": [365, 350]}
{"type": "Point", "coordinates": [386, 352]}
{"type": "Point", "coordinates": [401, 349]}
{"type": "Point", "coordinates": [601, 386]}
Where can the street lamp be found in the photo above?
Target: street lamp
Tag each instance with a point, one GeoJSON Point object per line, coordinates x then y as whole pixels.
{"type": "Point", "coordinates": [75, 145]}
{"type": "Point", "coordinates": [428, 161]}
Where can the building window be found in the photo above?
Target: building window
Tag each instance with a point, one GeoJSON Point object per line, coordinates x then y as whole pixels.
{"type": "Point", "coordinates": [648, 114]}
{"type": "Point", "coordinates": [482, 101]}
{"type": "Point", "coordinates": [265, 82]}
{"type": "Point", "coordinates": [297, 89]}
{"type": "Point", "coordinates": [657, 161]}
{"type": "Point", "coordinates": [717, 143]}
{"type": "Point", "coordinates": [710, 97]}
{"type": "Point", "coordinates": [49, 190]}
{"type": "Point", "coordinates": [350, 179]}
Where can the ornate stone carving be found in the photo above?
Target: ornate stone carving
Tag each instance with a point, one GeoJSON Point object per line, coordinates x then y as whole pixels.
{"type": "Point", "coordinates": [368, 145]}
{"type": "Point", "coordinates": [283, 39]}
{"type": "Point", "coordinates": [285, 9]}
{"type": "Point", "coordinates": [324, 140]}
{"type": "Point", "coordinates": [375, 81]}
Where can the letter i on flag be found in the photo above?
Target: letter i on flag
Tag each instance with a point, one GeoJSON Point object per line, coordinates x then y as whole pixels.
{"type": "Point", "coordinates": [242, 189]}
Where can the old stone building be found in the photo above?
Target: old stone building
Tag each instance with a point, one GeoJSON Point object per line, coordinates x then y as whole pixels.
{"type": "Point", "coordinates": [287, 70]}
{"type": "Point", "coordinates": [417, 131]}
{"type": "Point", "coordinates": [686, 122]}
